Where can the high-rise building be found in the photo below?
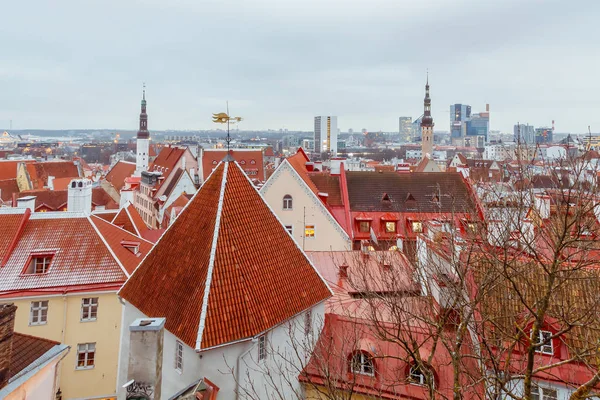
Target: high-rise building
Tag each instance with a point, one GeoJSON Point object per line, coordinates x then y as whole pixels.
{"type": "Point", "coordinates": [524, 133]}
{"type": "Point", "coordinates": [405, 127]}
{"type": "Point", "coordinates": [479, 124]}
{"type": "Point", "coordinates": [459, 115]}
{"type": "Point", "coordinates": [143, 140]}
{"type": "Point", "coordinates": [326, 134]}
{"type": "Point", "coordinates": [427, 125]}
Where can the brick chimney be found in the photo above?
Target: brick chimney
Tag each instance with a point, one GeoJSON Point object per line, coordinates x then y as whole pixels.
{"type": "Point", "coordinates": [7, 325]}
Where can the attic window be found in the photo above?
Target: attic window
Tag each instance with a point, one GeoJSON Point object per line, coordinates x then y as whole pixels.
{"type": "Point", "coordinates": [243, 162]}
{"type": "Point", "coordinates": [133, 247]}
{"type": "Point", "coordinates": [410, 197]}
{"type": "Point", "coordinates": [417, 226]}
{"type": "Point", "coordinates": [252, 162]}
{"type": "Point", "coordinates": [39, 264]}
{"type": "Point", "coordinates": [545, 339]}
{"type": "Point", "coordinates": [385, 197]}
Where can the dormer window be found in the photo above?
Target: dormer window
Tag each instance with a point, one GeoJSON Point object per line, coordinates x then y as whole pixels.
{"type": "Point", "coordinates": [364, 226]}
{"type": "Point", "coordinates": [39, 264]}
{"type": "Point", "coordinates": [252, 162]}
{"type": "Point", "coordinates": [390, 227]}
{"type": "Point", "coordinates": [545, 339]}
{"type": "Point", "coordinates": [417, 226]}
{"type": "Point", "coordinates": [133, 247]}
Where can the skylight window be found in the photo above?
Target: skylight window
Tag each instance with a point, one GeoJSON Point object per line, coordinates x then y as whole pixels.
{"type": "Point", "coordinates": [38, 264]}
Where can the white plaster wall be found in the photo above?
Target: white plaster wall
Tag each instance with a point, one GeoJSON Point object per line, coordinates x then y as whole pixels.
{"type": "Point", "coordinates": [306, 210]}
{"type": "Point", "coordinates": [562, 391]}
{"type": "Point", "coordinates": [218, 365]}
{"type": "Point", "coordinates": [39, 387]}
{"type": "Point", "coordinates": [186, 185]}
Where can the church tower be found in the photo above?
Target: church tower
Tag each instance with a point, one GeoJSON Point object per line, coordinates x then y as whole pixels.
{"type": "Point", "coordinates": [143, 140]}
{"type": "Point", "coordinates": [427, 126]}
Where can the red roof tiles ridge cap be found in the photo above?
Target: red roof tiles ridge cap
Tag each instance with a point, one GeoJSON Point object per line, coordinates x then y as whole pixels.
{"type": "Point", "coordinates": [278, 220]}
{"type": "Point", "coordinates": [211, 260]}
{"type": "Point", "coordinates": [169, 227]}
{"type": "Point", "coordinates": [131, 219]}
{"type": "Point", "coordinates": [110, 250]}
{"type": "Point", "coordinates": [124, 230]}
{"type": "Point", "coordinates": [15, 239]}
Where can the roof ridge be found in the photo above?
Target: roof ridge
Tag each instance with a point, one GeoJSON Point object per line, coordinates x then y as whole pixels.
{"type": "Point", "coordinates": [36, 338]}
{"type": "Point", "coordinates": [110, 250]}
{"type": "Point", "coordinates": [211, 260]}
{"type": "Point", "coordinates": [124, 230]}
{"type": "Point", "coordinates": [131, 219]}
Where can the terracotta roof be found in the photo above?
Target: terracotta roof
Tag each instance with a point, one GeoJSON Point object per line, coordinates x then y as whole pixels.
{"type": "Point", "coordinates": [298, 162]}
{"type": "Point", "coordinates": [26, 350]}
{"type": "Point", "coordinates": [167, 160]}
{"type": "Point", "coordinates": [56, 200]}
{"type": "Point", "coordinates": [106, 215]}
{"type": "Point", "coordinates": [329, 184]}
{"type": "Point", "coordinates": [269, 152]}
{"type": "Point", "coordinates": [153, 235]}
{"type": "Point", "coordinates": [366, 190]}
{"type": "Point", "coordinates": [129, 219]}
{"type": "Point", "coordinates": [61, 183]}
{"type": "Point", "coordinates": [251, 161]}
{"type": "Point", "coordinates": [249, 269]}
{"type": "Point", "coordinates": [117, 174]}
{"type": "Point", "coordinates": [86, 250]}
{"type": "Point", "coordinates": [8, 169]}
{"type": "Point", "coordinates": [40, 171]}
{"type": "Point", "coordinates": [7, 188]}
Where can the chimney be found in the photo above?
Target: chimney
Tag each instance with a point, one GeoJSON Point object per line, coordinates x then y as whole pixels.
{"type": "Point", "coordinates": [336, 164]}
{"type": "Point", "coordinates": [183, 163]}
{"type": "Point", "coordinates": [126, 197]}
{"type": "Point", "coordinates": [7, 325]}
{"type": "Point", "coordinates": [51, 183]}
{"type": "Point", "coordinates": [310, 166]}
{"type": "Point", "coordinates": [80, 196]}
{"type": "Point", "coordinates": [487, 108]}
{"type": "Point", "coordinates": [26, 202]}
{"type": "Point", "coordinates": [144, 373]}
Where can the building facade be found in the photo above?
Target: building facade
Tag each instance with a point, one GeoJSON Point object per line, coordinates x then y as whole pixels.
{"type": "Point", "coordinates": [326, 134]}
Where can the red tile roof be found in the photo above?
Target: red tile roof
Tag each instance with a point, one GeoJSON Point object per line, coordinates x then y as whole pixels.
{"type": "Point", "coordinates": [129, 219]}
{"type": "Point", "coordinates": [106, 215]}
{"type": "Point", "coordinates": [40, 171]}
{"type": "Point", "coordinates": [298, 162]}
{"type": "Point", "coordinates": [117, 174]}
{"type": "Point", "coordinates": [7, 188]}
{"type": "Point", "coordinates": [86, 251]}
{"type": "Point", "coordinates": [329, 184]}
{"type": "Point", "coordinates": [8, 169]}
{"type": "Point", "coordinates": [167, 160]}
{"type": "Point", "coordinates": [56, 200]}
{"type": "Point", "coordinates": [251, 161]}
{"type": "Point", "coordinates": [26, 350]}
{"type": "Point", "coordinates": [254, 277]}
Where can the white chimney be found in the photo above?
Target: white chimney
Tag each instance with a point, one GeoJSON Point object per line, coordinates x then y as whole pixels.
{"type": "Point", "coordinates": [336, 164]}
{"type": "Point", "coordinates": [146, 339]}
{"type": "Point", "coordinates": [183, 162]}
{"type": "Point", "coordinates": [26, 202]}
{"type": "Point", "coordinates": [126, 197]}
{"type": "Point", "coordinates": [51, 183]}
{"type": "Point", "coordinates": [80, 196]}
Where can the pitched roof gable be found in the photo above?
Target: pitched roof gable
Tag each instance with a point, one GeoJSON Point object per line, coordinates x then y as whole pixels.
{"type": "Point", "coordinates": [117, 174]}
{"type": "Point", "coordinates": [129, 219]}
{"type": "Point", "coordinates": [226, 269]}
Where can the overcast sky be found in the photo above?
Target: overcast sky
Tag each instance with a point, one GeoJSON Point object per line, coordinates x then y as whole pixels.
{"type": "Point", "coordinates": [80, 64]}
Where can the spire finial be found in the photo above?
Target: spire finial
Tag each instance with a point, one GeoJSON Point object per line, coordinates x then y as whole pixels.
{"type": "Point", "coordinates": [428, 76]}
{"type": "Point", "coordinates": [228, 139]}
{"type": "Point", "coordinates": [143, 90]}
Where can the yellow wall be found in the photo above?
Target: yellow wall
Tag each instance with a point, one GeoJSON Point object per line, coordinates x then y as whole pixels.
{"type": "Point", "coordinates": [105, 332]}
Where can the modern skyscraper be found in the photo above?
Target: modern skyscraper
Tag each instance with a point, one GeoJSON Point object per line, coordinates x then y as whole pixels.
{"type": "Point", "coordinates": [427, 125]}
{"type": "Point", "coordinates": [326, 134]}
{"type": "Point", "coordinates": [405, 127]}
{"type": "Point", "coordinates": [143, 140]}
{"type": "Point", "coordinates": [459, 114]}
{"type": "Point", "coordinates": [543, 135]}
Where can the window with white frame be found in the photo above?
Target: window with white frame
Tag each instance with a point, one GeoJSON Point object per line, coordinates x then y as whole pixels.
{"type": "Point", "coordinates": [542, 393]}
{"type": "Point", "coordinates": [290, 229]}
{"type": "Point", "coordinates": [417, 376]}
{"type": "Point", "coordinates": [39, 312]}
{"type": "Point", "coordinates": [544, 338]}
{"type": "Point", "coordinates": [89, 309]}
{"type": "Point", "coordinates": [39, 264]}
{"type": "Point", "coordinates": [362, 363]}
{"type": "Point", "coordinates": [262, 348]}
{"type": "Point", "coordinates": [86, 354]}
{"type": "Point", "coordinates": [287, 202]}
{"type": "Point", "coordinates": [179, 356]}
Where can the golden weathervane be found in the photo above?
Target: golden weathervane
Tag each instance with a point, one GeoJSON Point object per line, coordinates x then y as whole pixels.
{"type": "Point", "coordinates": [224, 118]}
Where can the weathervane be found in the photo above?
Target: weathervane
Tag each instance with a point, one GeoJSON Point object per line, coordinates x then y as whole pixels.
{"type": "Point", "coordinates": [224, 118]}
